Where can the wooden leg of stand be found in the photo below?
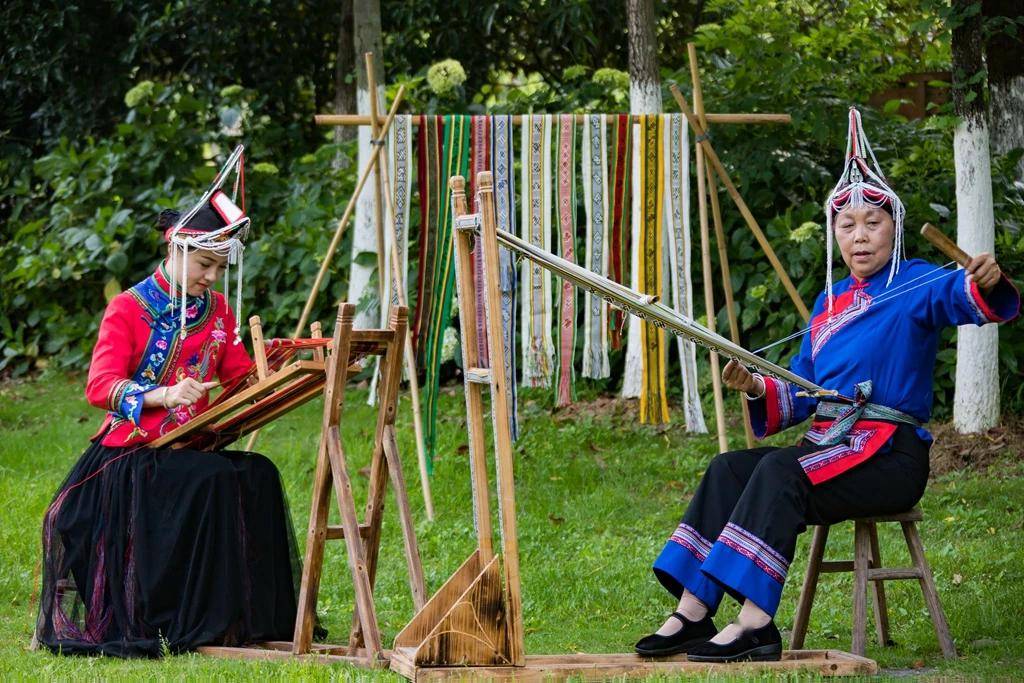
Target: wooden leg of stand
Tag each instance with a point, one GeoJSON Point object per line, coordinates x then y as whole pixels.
{"type": "Point", "coordinates": [412, 553]}
{"type": "Point", "coordinates": [373, 517]}
{"type": "Point", "coordinates": [861, 553]}
{"type": "Point", "coordinates": [356, 556]}
{"type": "Point", "coordinates": [879, 603]}
{"type": "Point", "coordinates": [810, 587]}
{"type": "Point", "coordinates": [314, 557]}
{"type": "Point", "coordinates": [391, 376]}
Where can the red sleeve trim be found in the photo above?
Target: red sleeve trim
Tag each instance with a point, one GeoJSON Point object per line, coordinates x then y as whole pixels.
{"type": "Point", "coordinates": [979, 301]}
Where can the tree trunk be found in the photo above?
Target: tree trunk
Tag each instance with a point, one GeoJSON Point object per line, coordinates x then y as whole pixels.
{"type": "Point", "coordinates": [367, 38]}
{"type": "Point", "coordinates": [644, 98]}
{"type": "Point", "coordinates": [1003, 56]}
{"type": "Point", "coordinates": [976, 398]}
{"type": "Point", "coordinates": [344, 70]}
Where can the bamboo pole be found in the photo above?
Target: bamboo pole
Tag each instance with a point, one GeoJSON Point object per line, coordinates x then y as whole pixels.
{"type": "Point", "coordinates": [410, 355]}
{"type": "Point", "coordinates": [345, 218]}
{"type": "Point", "coordinates": [723, 175]}
{"type": "Point", "coordinates": [709, 294]}
{"type": "Point", "coordinates": [378, 185]}
{"type": "Point", "coordinates": [716, 214]}
{"type": "Point", "coordinates": [365, 120]}
{"type": "Point", "coordinates": [730, 305]}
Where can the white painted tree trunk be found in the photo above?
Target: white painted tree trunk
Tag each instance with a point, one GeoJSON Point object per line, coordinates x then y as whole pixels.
{"type": "Point", "coordinates": [366, 38]}
{"type": "Point", "coordinates": [1006, 109]}
{"type": "Point", "coordinates": [976, 398]}
{"type": "Point", "coordinates": [644, 98]}
{"type": "Point", "coordinates": [364, 229]}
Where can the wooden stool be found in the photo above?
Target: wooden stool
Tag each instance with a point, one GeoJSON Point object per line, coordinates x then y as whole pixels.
{"type": "Point", "coordinates": [867, 566]}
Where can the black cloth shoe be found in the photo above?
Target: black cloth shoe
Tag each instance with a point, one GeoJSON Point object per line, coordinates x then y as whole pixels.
{"type": "Point", "coordinates": [755, 645]}
{"type": "Point", "coordinates": [692, 634]}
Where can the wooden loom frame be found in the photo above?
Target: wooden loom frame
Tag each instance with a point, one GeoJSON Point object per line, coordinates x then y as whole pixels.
{"type": "Point", "coordinates": [473, 626]}
{"type": "Point", "coordinates": [273, 393]}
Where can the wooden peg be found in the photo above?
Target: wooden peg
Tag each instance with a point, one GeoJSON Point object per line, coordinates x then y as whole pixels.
{"type": "Point", "coordinates": [316, 331]}
{"type": "Point", "coordinates": [259, 348]}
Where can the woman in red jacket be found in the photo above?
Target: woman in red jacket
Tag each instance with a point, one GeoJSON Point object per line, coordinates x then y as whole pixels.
{"type": "Point", "coordinates": [151, 550]}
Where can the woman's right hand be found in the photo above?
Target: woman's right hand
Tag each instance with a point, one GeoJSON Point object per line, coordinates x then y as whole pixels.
{"type": "Point", "coordinates": [186, 392]}
{"type": "Point", "coordinates": [739, 378]}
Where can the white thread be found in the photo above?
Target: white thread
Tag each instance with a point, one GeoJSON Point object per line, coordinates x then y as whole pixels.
{"type": "Point", "coordinates": [893, 294]}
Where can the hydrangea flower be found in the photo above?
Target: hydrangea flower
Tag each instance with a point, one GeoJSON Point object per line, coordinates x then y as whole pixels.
{"type": "Point", "coordinates": [445, 77]}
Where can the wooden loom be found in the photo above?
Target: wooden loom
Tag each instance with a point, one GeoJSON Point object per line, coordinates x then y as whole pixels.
{"type": "Point", "coordinates": [272, 389]}
{"type": "Point", "coordinates": [473, 626]}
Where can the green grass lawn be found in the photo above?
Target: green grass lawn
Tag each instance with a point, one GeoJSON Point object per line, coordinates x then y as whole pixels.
{"type": "Point", "coordinates": [598, 495]}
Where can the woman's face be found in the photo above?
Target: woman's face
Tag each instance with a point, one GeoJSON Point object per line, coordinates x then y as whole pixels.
{"type": "Point", "coordinates": [865, 237]}
{"type": "Point", "coordinates": [204, 269]}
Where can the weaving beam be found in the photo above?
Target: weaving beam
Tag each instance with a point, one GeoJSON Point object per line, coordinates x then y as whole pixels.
{"type": "Point", "coordinates": [643, 306]}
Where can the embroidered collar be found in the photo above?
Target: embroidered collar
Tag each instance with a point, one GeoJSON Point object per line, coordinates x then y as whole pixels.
{"type": "Point", "coordinates": [154, 295]}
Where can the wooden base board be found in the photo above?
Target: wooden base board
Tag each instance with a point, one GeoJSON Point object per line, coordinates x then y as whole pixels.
{"type": "Point", "coordinates": [604, 666]}
{"type": "Point", "coordinates": [280, 650]}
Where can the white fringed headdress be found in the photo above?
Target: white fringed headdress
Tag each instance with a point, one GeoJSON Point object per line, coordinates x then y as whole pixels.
{"type": "Point", "coordinates": [223, 240]}
{"type": "Point", "coordinates": [861, 186]}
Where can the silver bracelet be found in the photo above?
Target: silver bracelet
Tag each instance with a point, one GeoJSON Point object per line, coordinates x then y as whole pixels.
{"type": "Point", "coordinates": [764, 389]}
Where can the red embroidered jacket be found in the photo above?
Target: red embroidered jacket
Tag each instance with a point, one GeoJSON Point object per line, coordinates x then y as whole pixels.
{"type": "Point", "coordinates": [140, 347]}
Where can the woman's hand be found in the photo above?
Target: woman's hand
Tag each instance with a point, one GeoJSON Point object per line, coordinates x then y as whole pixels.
{"type": "Point", "coordinates": [739, 378]}
{"type": "Point", "coordinates": [984, 270]}
{"type": "Point", "coordinates": [185, 393]}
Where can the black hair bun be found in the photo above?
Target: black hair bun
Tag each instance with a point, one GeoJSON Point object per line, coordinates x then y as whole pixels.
{"type": "Point", "coordinates": [167, 218]}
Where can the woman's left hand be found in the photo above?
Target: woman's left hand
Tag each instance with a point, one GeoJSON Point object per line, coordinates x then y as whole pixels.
{"type": "Point", "coordinates": [984, 270]}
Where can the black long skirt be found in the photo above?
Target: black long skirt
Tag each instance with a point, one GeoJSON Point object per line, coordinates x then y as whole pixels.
{"type": "Point", "coordinates": [147, 551]}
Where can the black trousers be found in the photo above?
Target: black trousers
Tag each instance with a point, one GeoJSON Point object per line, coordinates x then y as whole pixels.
{"type": "Point", "coordinates": [739, 532]}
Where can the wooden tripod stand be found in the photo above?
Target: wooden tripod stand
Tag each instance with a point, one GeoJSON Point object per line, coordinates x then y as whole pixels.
{"type": "Point", "coordinates": [274, 392]}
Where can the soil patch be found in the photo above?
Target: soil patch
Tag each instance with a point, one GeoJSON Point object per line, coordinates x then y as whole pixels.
{"type": "Point", "coordinates": [953, 451]}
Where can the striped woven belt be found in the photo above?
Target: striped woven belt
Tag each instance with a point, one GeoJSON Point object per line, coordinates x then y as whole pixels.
{"type": "Point", "coordinates": [845, 415]}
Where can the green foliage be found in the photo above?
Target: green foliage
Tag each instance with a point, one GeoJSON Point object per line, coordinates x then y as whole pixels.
{"type": "Point", "coordinates": [84, 170]}
{"type": "Point", "coordinates": [82, 217]}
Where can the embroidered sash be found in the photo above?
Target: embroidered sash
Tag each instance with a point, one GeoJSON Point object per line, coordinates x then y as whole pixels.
{"type": "Point", "coordinates": [429, 180]}
{"type": "Point", "coordinates": [538, 348]}
{"type": "Point", "coordinates": [504, 202]}
{"type": "Point", "coordinates": [595, 204]}
{"type": "Point", "coordinates": [455, 155]}
{"type": "Point", "coordinates": [479, 161]}
{"type": "Point", "coordinates": [566, 214]}
{"type": "Point", "coordinates": [653, 398]}
{"type": "Point", "coordinates": [621, 165]}
{"type": "Point", "coordinates": [677, 172]}
{"type": "Point", "coordinates": [632, 372]}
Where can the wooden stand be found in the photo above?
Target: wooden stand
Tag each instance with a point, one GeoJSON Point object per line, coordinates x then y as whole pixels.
{"type": "Point", "coordinates": [474, 619]}
{"type": "Point", "coordinates": [274, 393]}
{"type": "Point", "coordinates": [472, 628]}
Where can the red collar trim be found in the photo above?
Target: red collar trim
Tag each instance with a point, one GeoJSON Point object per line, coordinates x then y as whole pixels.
{"type": "Point", "coordinates": [162, 278]}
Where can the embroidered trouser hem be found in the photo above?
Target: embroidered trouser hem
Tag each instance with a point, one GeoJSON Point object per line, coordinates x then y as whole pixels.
{"type": "Point", "coordinates": [739, 533]}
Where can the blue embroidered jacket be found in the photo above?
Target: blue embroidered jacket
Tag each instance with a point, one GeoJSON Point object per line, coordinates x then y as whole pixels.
{"type": "Point", "coordinates": [886, 335]}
